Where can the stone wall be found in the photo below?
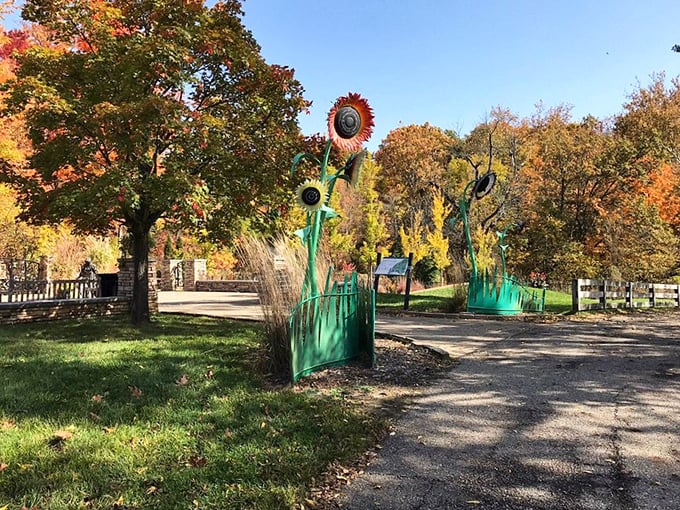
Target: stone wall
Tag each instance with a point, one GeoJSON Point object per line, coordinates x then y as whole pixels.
{"type": "Point", "coordinates": [226, 285]}
{"type": "Point", "coordinates": [56, 309]}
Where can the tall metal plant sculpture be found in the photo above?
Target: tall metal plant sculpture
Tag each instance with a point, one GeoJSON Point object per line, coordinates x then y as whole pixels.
{"type": "Point", "coordinates": [496, 294]}
{"type": "Point", "coordinates": [333, 326]}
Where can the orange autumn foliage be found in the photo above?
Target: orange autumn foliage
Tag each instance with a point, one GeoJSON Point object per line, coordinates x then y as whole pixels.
{"type": "Point", "coordinates": [660, 189]}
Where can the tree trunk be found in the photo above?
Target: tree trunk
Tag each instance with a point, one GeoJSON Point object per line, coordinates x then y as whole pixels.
{"type": "Point", "coordinates": [139, 309]}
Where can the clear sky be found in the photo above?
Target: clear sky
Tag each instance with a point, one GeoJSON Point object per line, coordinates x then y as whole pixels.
{"type": "Point", "coordinates": [449, 62]}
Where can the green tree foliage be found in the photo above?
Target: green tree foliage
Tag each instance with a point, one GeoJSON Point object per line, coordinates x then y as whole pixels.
{"type": "Point", "coordinates": [140, 110]}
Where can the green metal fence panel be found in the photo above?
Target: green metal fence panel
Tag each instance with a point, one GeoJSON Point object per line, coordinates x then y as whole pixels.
{"type": "Point", "coordinates": [501, 295]}
{"type": "Point", "coordinates": [333, 328]}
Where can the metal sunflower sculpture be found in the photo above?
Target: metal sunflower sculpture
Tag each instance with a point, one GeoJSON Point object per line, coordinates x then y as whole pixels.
{"type": "Point", "coordinates": [350, 124]}
{"type": "Point", "coordinates": [493, 293]}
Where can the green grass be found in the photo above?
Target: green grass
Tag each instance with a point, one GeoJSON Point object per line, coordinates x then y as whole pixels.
{"type": "Point", "coordinates": [97, 414]}
{"type": "Point", "coordinates": [439, 300]}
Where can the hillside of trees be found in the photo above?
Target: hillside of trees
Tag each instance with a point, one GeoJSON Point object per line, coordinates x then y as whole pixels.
{"type": "Point", "coordinates": [579, 198]}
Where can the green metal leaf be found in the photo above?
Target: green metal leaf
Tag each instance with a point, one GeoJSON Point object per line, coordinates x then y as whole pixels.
{"type": "Point", "coordinates": [299, 157]}
{"type": "Point", "coordinates": [303, 234]}
{"type": "Point", "coordinates": [330, 212]}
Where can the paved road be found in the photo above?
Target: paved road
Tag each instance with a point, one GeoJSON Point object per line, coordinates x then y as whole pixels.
{"type": "Point", "coordinates": [554, 416]}
{"type": "Point", "coordinates": [571, 415]}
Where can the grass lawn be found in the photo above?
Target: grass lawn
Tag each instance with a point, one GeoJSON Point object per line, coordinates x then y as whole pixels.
{"type": "Point", "coordinates": [439, 300]}
{"type": "Point", "coordinates": [96, 414]}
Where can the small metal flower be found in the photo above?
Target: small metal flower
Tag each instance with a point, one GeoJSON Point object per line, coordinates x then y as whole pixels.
{"type": "Point", "coordinates": [350, 122]}
{"type": "Point", "coordinates": [484, 185]}
{"type": "Point", "coordinates": [312, 195]}
{"type": "Point", "coordinates": [353, 167]}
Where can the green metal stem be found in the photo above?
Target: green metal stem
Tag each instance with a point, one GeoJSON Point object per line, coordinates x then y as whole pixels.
{"type": "Point", "coordinates": [466, 227]}
{"type": "Point", "coordinates": [315, 231]}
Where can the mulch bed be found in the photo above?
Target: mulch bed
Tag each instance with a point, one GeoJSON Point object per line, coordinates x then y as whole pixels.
{"type": "Point", "coordinates": [402, 370]}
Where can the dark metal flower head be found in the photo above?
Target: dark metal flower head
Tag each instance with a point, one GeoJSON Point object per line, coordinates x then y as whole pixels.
{"type": "Point", "coordinates": [484, 185]}
{"type": "Point", "coordinates": [353, 167]}
{"type": "Point", "coordinates": [350, 122]}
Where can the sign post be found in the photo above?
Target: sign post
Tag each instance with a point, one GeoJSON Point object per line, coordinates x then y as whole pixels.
{"type": "Point", "coordinates": [393, 266]}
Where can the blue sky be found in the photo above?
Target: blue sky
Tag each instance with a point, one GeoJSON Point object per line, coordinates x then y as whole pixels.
{"type": "Point", "coordinates": [449, 62]}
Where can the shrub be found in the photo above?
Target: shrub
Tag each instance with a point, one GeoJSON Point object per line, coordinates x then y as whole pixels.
{"type": "Point", "coordinates": [458, 301]}
{"type": "Point", "coordinates": [426, 272]}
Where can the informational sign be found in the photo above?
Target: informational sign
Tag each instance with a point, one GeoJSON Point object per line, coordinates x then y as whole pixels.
{"type": "Point", "coordinates": [392, 266]}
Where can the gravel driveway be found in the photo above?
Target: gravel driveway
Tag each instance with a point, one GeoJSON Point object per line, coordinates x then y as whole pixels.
{"type": "Point", "coordinates": [571, 415]}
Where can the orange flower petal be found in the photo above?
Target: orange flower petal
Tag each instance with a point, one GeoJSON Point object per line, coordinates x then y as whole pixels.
{"type": "Point", "coordinates": [350, 122]}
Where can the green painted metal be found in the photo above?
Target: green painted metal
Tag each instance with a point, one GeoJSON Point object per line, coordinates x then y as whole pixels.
{"type": "Point", "coordinates": [497, 293]}
{"type": "Point", "coordinates": [494, 294]}
{"type": "Point", "coordinates": [337, 326]}
{"type": "Point", "coordinates": [332, 328]}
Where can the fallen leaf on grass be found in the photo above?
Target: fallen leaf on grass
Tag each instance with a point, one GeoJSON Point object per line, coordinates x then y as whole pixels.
{"type": "Point", "coordinates": [209, 374]}
{"type": "Point", "coordinates": [59, 438]}
{"type": "Point", "coordinates": [135, 391]}
{"type": "Point", "coordinates": [182, 381]}
{"type": "Point", "coordinates": [97, 398]}
{"type": "Point", "coordinates": [152, 490]}
{"type": "Point", "coordinates": [6, 425]}
{"type": "Point", "coordinates": [3, 466]}
{"type": "Point", "coordinates": [197, 462]}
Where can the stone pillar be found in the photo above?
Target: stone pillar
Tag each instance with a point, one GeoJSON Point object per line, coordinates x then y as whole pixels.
{"type": "Point", "coordinates": [169, 269]}
{"type": "Point", "coordinates": [194, 269]}
{"type": "Point", "coordinates": [126, 281]}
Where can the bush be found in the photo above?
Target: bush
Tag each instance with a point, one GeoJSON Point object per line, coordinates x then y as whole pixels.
{"type": "Point", "coordinates": [458, 301]}
{"type": "Point", "coordinates": [426, 272]}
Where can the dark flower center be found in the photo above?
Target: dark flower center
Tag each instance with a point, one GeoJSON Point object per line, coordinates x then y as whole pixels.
{"type": "Point", "coordinates": [347, 122]}
{"type": "Point", "coordinates": [311, 196]}
{"type": "Point", "coordinates": [485, 185]}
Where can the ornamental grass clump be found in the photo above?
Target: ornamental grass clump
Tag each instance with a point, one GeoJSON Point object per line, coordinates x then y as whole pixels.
{"type": "Point", "coordinates": [279, 266]}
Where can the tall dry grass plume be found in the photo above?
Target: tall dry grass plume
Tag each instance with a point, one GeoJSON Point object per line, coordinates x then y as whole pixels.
{"type": "Point", "coordinates": [279, 266]}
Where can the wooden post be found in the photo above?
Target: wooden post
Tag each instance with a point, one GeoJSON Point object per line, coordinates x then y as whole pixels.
{"type": "Point", "coordinates": [575, 287]}
{"type": "Point", "coordinates": [407, 292]}
{"type": "Point", "coordinates": [377, 276]}
{"type": "Point", "coordinates": [629, 295]}
{"type": "Point", "coordinates": [603, 297]}
{"type": "Point", "coordinates": [652, 296]}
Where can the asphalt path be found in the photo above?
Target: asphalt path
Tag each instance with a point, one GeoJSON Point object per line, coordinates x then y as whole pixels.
{"type": "Point", "coordinates": [570, 415]}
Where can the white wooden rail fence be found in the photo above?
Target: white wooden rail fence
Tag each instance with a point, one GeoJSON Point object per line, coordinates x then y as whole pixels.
{"type": "Point", "coordinates": [39, 290]}
{"type": "Point", "coordinates": [603, 294]}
